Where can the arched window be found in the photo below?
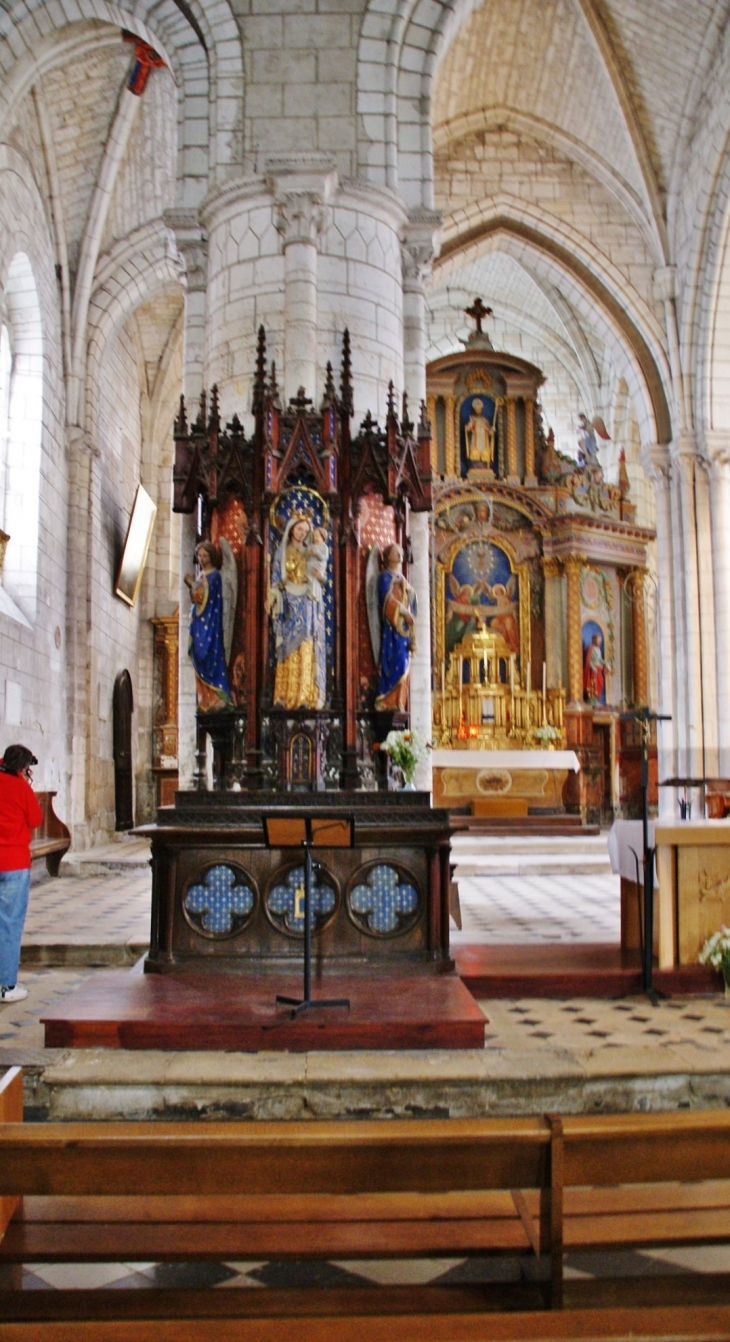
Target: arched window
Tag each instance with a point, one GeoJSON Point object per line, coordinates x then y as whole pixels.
{"type": "Point", "coordinates": [21, 419]}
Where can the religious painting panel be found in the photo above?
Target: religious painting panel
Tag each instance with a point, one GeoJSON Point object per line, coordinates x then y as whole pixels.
{"type": "Point", "coordinates": [301, 599]}
{"type": "Point", "coordinates": [595, 665]}
{"type": "Point", "coordinates": [481, 590]}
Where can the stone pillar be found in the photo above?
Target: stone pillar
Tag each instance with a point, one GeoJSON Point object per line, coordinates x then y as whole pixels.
{"type": "Point", "coordinates": [573, 565]}
{"type": "Point", "coordinates": [512, 476]}
{"type": "Point", "coordinates": [417, 252]}
{"type": "Point", "coordinates": [718, 446]}
{"type": "Point", "coordinates": [192, 243]}
{"type": "Point", "coordinates": [301, 194]}
{"type": "Point", "coordinates": [418, 249]}
{"type": "Point", "coordinates": [530, 477]}
{"type": "Point", "coordinates": [657, 465]}
{"type": "Point", "coordinates": [690, 735]}
{"type": "Point", "coordinates": [82, 456]}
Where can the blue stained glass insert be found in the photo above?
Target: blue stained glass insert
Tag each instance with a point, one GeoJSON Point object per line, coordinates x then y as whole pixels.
{"type": "Point", "coordinates": [384, 902]}
{"type": "Point", "coordinates": [285, 900]}
{"type": "Point", "coordinates": [221, 903]}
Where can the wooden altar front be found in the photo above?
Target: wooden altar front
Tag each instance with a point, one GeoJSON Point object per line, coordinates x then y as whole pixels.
{"type": "Point", "coordinates": [222, 899]}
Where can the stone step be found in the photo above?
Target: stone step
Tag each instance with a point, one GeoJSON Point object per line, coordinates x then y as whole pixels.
{"type": "Point", "coordinates": [124, 854]}
{"type": "Point", "coordinates": [531, 865]}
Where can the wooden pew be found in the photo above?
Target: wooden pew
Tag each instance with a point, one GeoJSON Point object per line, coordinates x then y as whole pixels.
{"type": "Point", "coordinates": [169, 1192]}
{"type": "Point", "coordinates": [52, 838]}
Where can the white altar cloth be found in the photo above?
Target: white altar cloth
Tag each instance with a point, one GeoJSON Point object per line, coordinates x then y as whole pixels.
{"type": "Point", "coordinates": [505, 759]}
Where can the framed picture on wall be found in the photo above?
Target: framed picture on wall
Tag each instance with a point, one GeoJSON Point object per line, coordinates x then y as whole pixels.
{"type": "Point", "coordinates": [136, 545]}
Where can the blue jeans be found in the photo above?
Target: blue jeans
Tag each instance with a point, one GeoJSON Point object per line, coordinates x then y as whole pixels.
{"type": "Point", "coordinates": [14, 890]}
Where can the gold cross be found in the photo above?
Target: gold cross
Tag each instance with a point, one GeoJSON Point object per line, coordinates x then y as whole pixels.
{"type": "Point", "coordinates": [299, 902]}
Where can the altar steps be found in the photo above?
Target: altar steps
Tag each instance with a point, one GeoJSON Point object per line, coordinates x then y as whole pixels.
{"type": "Point", "coordinates": [566, 971]}
{"type": "Point", "coordinates": [582, 854]}
{"type": "Point", "coordinates": [518, 825]}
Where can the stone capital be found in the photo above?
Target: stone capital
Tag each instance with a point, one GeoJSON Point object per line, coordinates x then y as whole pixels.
{"type": "Point", "coordinates": [656, 461]}
{"type": "Point", "coordinates": [551, 566]}
{"type": "Point", "coordinates": [665, 283]}
{"type": "Point", "coordinates": [302, 186]}
{"type": "Point", "coordinates": [79, 444]}
{"type": "Point", "coordinates": [717, 446]}
{"type": "Point", "coordinates": [420, 245]}
{"type": "Point", "coordinates": [191, 243]}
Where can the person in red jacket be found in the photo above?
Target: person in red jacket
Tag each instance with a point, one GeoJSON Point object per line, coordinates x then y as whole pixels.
{"type": "Point", "coordinates": [19, 814]}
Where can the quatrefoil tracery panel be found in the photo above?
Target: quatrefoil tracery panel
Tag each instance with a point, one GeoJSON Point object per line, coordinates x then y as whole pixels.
{"type": "Point", "coordinates": [285, 899]}
{"type": "Point", "coordinates": [220, 902]}
{"type": "Point", "coordinates": [385, 901]}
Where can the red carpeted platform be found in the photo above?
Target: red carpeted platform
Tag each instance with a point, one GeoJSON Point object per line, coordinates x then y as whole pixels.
{"type": "Point", "coordinates": [578, 970]}
{"type": "Point", "coordinates": [189, 1010]}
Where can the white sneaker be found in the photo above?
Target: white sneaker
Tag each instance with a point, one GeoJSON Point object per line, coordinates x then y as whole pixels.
{"type": "Point", "coordinates": [14, 994]}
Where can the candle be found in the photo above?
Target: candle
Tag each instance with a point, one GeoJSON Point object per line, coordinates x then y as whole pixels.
{"type": "Point", "coordinates": [528, 679]}
{"type": "Point", "coordinates": [512, 673]}
{"type": "Point", "coordinates": [544, 679]}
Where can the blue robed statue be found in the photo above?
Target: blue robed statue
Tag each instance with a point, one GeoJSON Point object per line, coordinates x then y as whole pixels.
{"type": "Point", "coordinates": [397, 609]}
{"type": "Point", "coordinates": [211, 624]}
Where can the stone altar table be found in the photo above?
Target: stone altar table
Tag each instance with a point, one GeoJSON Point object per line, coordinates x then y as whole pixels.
{"type": "Point", "coordinates": [506, 782]}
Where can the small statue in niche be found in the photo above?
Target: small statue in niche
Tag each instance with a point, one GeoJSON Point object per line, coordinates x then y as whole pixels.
{"type": "Point", "coordinates": [296, 605]}
{"type": "Point", "coordinates": [594, 672]}
{"type": "Point", "coordinates": [213, 612]}
{"type": "Point", "coordinates": [392, 608]}
{"type": "Point", "coordinates": [479, 435]}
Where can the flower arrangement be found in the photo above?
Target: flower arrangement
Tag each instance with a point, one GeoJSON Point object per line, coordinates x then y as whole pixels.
{"type": "Point", "coordinates": [546, 735]}
{"type": "Point", "coordinates": [716, 952]}
{"type": "Point", "coordinates": [406, 749]}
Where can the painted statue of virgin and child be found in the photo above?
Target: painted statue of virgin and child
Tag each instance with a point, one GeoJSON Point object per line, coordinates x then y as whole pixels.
{"type": "Point", "coordinates": [214, 591]}
{"type": "Point", "coordinates": [392, 611]}
{"type": "Point", "coordinates": [297, 610]}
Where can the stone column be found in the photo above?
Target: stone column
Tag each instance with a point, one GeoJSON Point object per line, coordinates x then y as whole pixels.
{"type": "Point", "coordinates": [530, 477]}
{"type": "Point", "coordinates": [82, 457]}
{"type": "Point", "coordinates": [573, 565]}
{"type": "Point", "coordinates": [301, 193]}
{"type": "Point", "coordinates": [718, 446]}
{"type": "Point", "coordinates": [657, 465]}
{"type": "Point", "coordinates": [690, 734]}
{"type": "Point", "coordinates": [512, 476]}
{"type": "Point", "coordinates": [192, 243]}
{"type": "Point", "coordinates": [417, 252]}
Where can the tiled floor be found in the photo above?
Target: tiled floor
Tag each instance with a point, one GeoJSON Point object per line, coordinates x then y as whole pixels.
{"type": "Point", "coordinates": [374, 1272]}
{"type": "Point", "coordinates": [509, 910]}
{"type": "Point", "coordinates": [582, 1038]}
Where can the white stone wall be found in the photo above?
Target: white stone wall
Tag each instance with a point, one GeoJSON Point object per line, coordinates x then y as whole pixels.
{"type": "Point", "coordinates": [33, 650]}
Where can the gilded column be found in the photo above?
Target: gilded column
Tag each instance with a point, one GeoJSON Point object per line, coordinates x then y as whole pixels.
{"type": "Point", "coordinates": [638, 635]}
{"type": "Point", "coordinates": [553, 622]}
{"type": "Point", "coordinates": [431, 412]}
{"type": "Point", "coordinates": [450, 448]}
{"type": "Point", "coordinates": [530, 477]}
{"type": "Point", "coordinates": [512, 475]}
{"type": "Point", "coordinates": [573, 566]}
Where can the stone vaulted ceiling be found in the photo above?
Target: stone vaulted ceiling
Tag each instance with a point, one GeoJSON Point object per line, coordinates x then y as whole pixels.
{"type": "Point", "coordinates": [564, 120]}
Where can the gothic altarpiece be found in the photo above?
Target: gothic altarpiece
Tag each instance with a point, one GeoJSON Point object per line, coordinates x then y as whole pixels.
{"type": "Point", "coordinates": [302, 536]}
{"type": "Point", "coordinates": [538, 594]}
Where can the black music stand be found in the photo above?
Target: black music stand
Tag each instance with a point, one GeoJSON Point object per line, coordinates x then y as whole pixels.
{"type": "Point", "coordinates": [645, 717]}
{"type": "Point", "coordinates": [308, 832]}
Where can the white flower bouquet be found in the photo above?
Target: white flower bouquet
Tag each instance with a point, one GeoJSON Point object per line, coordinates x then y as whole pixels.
{"type": "Point", "coordinates": [716, 951]}
{"type": "Point", "coordinates": [406, 749]}
{"type": "Point", "coordinates": [547, 735]}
